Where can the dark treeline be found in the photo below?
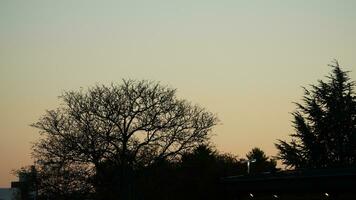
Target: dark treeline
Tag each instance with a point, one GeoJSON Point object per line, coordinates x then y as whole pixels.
{"type": "Point", "coordinates": [137, 140]}
{"type": "Point", "coordinates": [195, 176]}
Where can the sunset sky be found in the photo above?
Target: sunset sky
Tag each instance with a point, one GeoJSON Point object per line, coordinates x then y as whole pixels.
{"type": "Point", "coordinates": [244, 60]}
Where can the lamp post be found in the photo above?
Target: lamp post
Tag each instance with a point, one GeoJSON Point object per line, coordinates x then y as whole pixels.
{"type": "Point", "coordinates": [249, 163]}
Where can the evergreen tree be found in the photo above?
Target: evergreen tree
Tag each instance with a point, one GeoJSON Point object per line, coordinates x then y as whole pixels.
{"type": "Point", "coordinates": [325, 125]}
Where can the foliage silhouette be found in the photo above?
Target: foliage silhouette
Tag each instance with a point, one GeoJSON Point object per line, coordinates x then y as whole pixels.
{"type": "Point", "coordinates": [325, 125]}
{"type": "Point", "coordinates": [196, 176]}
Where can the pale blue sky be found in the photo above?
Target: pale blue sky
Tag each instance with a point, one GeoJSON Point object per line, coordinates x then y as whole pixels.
{"type": "Point", "coordinates": [244, 60]}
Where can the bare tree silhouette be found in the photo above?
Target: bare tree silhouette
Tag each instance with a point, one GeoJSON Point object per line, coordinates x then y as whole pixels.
{"type": "Point", "coordinates": [109, 131]}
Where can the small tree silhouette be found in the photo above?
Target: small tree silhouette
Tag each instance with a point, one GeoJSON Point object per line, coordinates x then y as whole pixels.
{"type": "Point", "coordinates": [262, 162]}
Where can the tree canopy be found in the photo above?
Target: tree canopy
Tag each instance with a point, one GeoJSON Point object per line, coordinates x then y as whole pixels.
{"type": "Point", "coordinates": [121, 126]}
{"type": "Point", "coordinates": [325, 125]}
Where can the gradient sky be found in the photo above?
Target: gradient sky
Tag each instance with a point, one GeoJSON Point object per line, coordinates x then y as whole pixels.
{"type": "Point", "coordinates": [244, 60]}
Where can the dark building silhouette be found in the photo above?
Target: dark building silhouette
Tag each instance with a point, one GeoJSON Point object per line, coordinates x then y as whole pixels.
{"type": "Point", "coordinates": [26, 185]}
{"type": "Point", "coordinates": [293, 185]}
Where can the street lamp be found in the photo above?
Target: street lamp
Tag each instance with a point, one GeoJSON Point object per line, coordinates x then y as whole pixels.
{"type": "Point", "coordinates": [249, 163]}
